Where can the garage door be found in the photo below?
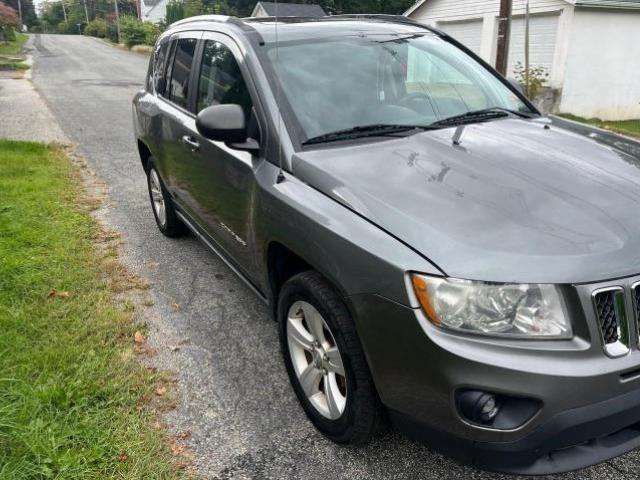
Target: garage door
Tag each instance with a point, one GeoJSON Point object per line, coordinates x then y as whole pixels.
{"type": "Point", "coordinates": [468, 32]}
{"type": "Point", "coordinates": [543, 31]}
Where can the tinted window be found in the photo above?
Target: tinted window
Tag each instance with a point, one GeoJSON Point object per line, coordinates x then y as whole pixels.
{"type": "Point", "coordinates": [159, 62]}
{"type": "Point", "coordinates": [221, 81]}
{"type": "Point", "coordinates": [179, 85]}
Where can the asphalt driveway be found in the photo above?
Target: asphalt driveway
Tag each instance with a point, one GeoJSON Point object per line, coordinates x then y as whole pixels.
{"type": "Point", "coordinates": [234, 396]}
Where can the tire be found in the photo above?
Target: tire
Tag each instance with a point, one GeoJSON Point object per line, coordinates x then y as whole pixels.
{"type": "Point", "coordinates": [166, 219]}
{"type": "Point", "coordinates": [362, 413]}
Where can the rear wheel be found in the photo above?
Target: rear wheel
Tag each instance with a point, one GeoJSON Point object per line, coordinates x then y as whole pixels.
{"type": "Point", "coordinates": [325, 361]}
{"type": "Point", "coordinates": [163, 209]}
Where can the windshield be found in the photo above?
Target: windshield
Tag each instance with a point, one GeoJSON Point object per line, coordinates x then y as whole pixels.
{"type": "Point", "coordinates": [405, 79]}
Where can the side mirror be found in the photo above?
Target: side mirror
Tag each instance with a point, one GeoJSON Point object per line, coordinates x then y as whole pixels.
{"type": "Point", "coordinates": [517, 85]}
{"type": "Point", "coordinates": [223, 123]}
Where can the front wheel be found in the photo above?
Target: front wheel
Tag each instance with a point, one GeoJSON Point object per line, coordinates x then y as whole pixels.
{"type": "Point", "coordinates": [163, 210]}
{"type": "Point", "coordinates": [325, 361]}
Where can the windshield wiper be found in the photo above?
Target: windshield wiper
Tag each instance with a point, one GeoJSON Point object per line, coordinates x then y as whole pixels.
{"type": "Point", "coordinates": [377, 130]}
{"type": "Point", "coordinates": [479, 116]}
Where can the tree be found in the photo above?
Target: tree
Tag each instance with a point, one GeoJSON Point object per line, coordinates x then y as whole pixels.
{"type": "Point", "coordinates": [193, 8]}
{"type": "Point", "coordinates": [8, 21]}
{"type": "Point", "coordinates": [8, 16]}
{"type": "Point", "coordinates": [29, 16]}
{"type": "Point", "coordinates": [175, 11]}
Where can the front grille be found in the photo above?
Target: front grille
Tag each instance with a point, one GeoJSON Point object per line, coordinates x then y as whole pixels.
{"type": "Point", "coordinates": [605, 303]}
{"type": "Point", "coordinates": [636, 299]}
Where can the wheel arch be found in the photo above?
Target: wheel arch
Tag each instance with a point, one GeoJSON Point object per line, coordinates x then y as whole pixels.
{"type": "Point", "coordinates": [282, 263]}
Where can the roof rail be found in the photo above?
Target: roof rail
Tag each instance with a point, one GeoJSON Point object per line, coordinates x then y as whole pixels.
{"type": "Point", "coordinates": [201, 18]}
{"type": "Point", "coordinates": [376, 16]}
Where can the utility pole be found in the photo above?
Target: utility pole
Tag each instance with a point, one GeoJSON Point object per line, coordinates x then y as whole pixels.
{"type": "Point", "coordinates": [86, 12]}
{"type": "Point", "coordinates": [115, 2]}
{"type": "Point", "coordinates": [64, 11]}
{"type": "Point", "coordinates": [527, 19]}
{"type": "Point", "coordinates": [504, 30]}
{"type": "Point", "coordinates": [20, 13]}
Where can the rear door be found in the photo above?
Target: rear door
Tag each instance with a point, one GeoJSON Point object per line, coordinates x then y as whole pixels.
{"type": "Point", "coordinates": [178, 120]}
{"type": "Point", "coordinates": [224, 185]}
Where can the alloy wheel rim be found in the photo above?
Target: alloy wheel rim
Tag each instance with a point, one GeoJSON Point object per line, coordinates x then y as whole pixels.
{"type": "Point", "coordinates": [316, 360]}
{"type": "Point", "coordinates": [157, 198]}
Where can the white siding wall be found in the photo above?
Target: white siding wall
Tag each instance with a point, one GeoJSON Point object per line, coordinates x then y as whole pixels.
{"type": "Point", "coordinates": [436, 12]}
{"type": "Point", "coordinates": [543, 31]}
{"type": "Point", "coordinates": [468, 32]}
{"type": "Point", "coordinates": [603, 64]}
{"type": "Point", "coordinates": [155, 13]}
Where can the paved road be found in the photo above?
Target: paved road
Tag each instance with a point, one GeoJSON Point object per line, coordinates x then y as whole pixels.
{"type": "Point", "coordinates": [234, 395]}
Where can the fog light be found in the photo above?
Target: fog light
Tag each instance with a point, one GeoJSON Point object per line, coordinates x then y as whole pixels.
{"type": "Point", "coordinates": [495, 411]}
{"type": "Point", "coordinates": [479, 407]}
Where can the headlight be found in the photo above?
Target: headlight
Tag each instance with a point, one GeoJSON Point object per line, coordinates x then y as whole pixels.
{"type": "Point", "coordinates": [529, 310]}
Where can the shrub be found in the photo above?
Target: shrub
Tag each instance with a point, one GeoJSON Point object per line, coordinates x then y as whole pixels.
{"type": "Point", "coordinates": [62, 27]}
{"type": "Point", "coordinates": [135, 32]}
{"type": "Point", "coordinates": [96, 28]}
{"type": "Point", "coordinates": [8, 33]}
{"type": "Point", "coordinates": [537, 77]}
{"type": "Point", "coordinates": [151, 33]}
{"type": "Point", "coordinates": [112, 31]}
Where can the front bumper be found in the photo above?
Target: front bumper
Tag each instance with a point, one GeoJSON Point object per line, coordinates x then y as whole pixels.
{"type": "Point", "coordinates": [590, 404]}
{"type": "Point", "coordinates": [570, 440]}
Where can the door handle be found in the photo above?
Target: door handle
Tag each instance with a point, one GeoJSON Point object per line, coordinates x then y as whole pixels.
{"type": "Point", "coordinates": [190, 143]}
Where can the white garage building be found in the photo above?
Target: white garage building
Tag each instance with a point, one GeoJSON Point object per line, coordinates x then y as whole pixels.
{"type": "Point", "coordinates": [590, 48]}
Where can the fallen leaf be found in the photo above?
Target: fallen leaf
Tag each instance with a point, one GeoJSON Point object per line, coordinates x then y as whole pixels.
{"type": "Point", "coordinates": [54, 293]}
{"type": "Point", "coordinates": [177, 449]}
{"type": "Point", "coordinates": [138, 337]}
{"type": "Point", "coordinates": [123, 457]}
{"type": "Point", "coordinates": [160, 391]}
{"type": "Point", "coordinates": [184, 435]}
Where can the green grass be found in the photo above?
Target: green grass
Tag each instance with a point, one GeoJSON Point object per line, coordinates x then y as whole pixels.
{"type": "Point", "coordinates": [13, 48]}
{"type": "Point", "coordinates": [626, 127]}
{"type": "Point", "coordinates": [72, 393]}
{"type": "Point", "coordinates": [10, 64]}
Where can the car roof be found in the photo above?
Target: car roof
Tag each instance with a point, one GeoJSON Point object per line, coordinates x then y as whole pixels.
{"type": "Point", "coordinates": [302, 28]}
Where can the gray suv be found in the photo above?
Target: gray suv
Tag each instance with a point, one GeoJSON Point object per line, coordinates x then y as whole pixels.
{"type": "Point", "coordinates": [434, 250]}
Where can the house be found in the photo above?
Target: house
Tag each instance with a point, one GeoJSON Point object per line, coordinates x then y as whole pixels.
{"type": "Point", "coordinates": [589, 48]}
{"type": "Point", "coordinates": [268, 9]}
{"type": "Point", "coordinates": [153, 10]}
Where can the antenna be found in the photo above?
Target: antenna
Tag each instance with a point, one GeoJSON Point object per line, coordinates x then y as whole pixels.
{"type": "Point", "coordinates": [280, 177]}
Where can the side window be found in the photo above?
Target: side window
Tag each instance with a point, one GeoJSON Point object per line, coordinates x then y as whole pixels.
{"type": "Point", "coordinates": [221, 80]}
{"type": "Point", "coordinates": [178, 88]}
{"type": "Point", "coordinates": [159, 62]}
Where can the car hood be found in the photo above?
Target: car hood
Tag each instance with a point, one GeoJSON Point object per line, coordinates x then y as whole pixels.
{"type": "Point", "coordinates": [515, 201]}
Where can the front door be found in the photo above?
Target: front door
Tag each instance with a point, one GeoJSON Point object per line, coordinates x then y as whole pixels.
{"type": "Point", "coordinates": [225, 177]}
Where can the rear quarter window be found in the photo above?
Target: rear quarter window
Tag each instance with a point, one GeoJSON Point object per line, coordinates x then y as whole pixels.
{"type": "Point", "coordinates": [178, 88]}
{"type": "Point", "coordinates": [159, 66]}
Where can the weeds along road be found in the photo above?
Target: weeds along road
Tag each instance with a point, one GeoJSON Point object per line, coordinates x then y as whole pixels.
{"type": "Point", "coordinates": [234, 396]}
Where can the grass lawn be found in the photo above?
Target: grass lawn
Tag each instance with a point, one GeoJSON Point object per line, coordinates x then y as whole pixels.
{"type": "Point", "coordinates": [13, 48]}
{"type": "Point", "coordinates": [626, 127]}
{"type": "Point", "coordinates": [73, 396]}
{"type": "Point", "coordinates": [10, 64]}
{"type": "Point", "coordinates": [10, 54]}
